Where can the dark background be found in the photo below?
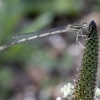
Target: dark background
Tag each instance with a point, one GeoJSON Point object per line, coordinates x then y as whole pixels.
{"type": "Point", "coordinates": [38, 69]}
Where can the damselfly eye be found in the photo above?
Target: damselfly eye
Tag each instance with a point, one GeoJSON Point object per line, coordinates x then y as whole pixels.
{"type": "Point", "coordinates": [83, 22]}
{"type": "Point", "coordinates": [84, 25]}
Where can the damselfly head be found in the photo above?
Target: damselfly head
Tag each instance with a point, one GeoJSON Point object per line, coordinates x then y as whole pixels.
{"type": "Point", "coordinates": [84, 25]}
{"type": "Point", "coordinates": [83, 22]}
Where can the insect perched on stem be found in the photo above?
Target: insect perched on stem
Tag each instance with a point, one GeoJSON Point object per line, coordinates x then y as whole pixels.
{"type": "Point", "coordinates": [79, 28]}
{"type": "Point", "coordinates": [34, 35]}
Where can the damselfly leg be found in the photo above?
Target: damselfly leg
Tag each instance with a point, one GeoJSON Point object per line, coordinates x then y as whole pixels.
{"type": "Point", "coordinates": [79, 33]}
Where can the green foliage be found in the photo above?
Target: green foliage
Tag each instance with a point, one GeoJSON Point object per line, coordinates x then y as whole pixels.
{"type": "Point", "coordinates": [5, 82]}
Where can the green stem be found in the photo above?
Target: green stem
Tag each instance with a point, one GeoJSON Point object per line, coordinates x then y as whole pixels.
{"type": "Point", "coordinates": [86, 83]}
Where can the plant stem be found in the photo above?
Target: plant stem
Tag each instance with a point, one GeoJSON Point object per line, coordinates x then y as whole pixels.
{"type": "Point", "coordinates": [86, 83]}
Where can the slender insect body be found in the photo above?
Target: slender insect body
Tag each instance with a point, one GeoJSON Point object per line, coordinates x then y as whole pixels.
{"type": "Point", "coordinates": [63, 29]}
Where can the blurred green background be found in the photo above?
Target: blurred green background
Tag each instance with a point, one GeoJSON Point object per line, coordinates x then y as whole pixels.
{"type": "Point", "coordinates": [38, 69]}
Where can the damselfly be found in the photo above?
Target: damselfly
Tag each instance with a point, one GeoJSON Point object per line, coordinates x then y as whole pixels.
{"type": "Point", "coordinates": [34, 35]}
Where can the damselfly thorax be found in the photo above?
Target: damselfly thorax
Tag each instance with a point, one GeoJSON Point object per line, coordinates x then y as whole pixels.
{"type": "Point", "coordinates": [77, 27]}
